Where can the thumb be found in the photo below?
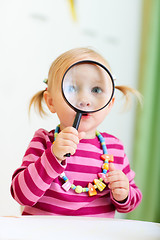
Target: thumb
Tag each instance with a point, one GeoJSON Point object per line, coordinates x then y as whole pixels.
{"type": "Point", "coordinates": [81, 135]}
{"type": "Point", "coordinates": [111, 167]}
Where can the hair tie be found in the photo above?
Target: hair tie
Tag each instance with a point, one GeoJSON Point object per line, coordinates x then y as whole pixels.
{"type": "Point", "coordinates": [45, 81]}
{"type": "Point", "coordinates": [114, 76]}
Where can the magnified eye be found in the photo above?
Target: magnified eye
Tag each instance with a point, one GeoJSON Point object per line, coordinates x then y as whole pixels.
{"type": "Point", "coordinates": [97, 90]}
{"type": "Point", "coordinates": [71, 89]}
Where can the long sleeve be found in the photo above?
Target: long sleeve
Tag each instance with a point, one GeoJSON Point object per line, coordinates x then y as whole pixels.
{"type": "Point", "coordinates": [38, 170]}
{"type": "Point", "coordinates": [135, 195]}
{"type": "Point", "coordinates": [37, 185]}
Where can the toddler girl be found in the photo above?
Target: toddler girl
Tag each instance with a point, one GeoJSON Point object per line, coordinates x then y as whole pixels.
{"type": "Point", "coordinates": [96, 179]}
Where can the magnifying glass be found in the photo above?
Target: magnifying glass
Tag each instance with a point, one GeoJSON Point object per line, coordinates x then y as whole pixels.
{"type": "Point", "coordinates": [88, 87]}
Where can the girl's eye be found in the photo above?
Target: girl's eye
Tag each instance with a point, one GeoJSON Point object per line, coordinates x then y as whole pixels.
{"type": "Point", "coordinates": [96, 90]}
{"type": "Point", "coordinates": [71, 89]}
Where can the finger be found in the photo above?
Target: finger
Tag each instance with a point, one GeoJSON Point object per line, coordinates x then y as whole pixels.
{"type": "Point", "coordinates": [118, 184]}
{"type": "Point", "coordinates": [62, 143]}
{"type": "Point", "coordinates": [62, 151]}
{"type": "Point", "coordinates": [68, 136]}
{"type": "Point", "coordinates": [67, 149]}
{"type": "Point", "coordinates": [70, 130]}
{"type": "Point", "coordinates": [68, 143]}
{"type": "Point", "coordinates": [111, 167]}
{"type": "Point", "coordinates": [62, 146]}
{"type": "Point", "coordinates": [115, 172]}
{"type": "Point", "coordinates": [119, 194]}
{"type": "Point", "coordinates": [115, 176]}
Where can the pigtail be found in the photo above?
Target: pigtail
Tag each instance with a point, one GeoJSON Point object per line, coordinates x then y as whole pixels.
{"type": "Point", "coordinates": [37, 101]}
{"type": "Point", "coordinates": [128, 92]}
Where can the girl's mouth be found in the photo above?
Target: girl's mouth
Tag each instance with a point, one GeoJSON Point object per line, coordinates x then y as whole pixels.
{"type": "Point", "coordinates": [85, 115]}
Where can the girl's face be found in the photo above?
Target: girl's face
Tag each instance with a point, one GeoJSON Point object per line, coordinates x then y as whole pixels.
{"type": "Point", "coordinates": [86, 92]}
{"type": "Point", "coordinates": [87, 87]}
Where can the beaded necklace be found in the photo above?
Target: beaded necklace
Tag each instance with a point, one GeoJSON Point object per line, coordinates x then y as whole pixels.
{"type": "Point", "coordinates": [97, 183]}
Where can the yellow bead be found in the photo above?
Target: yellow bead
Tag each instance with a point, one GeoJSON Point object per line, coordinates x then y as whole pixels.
{"type": "Point", "coordinates": [84, 189]}
{"type": "Point", "coordinates": [99, 184]}
{"type": "Point", "coordinates": [105, 166]}
{"type": "Point", "coordinates": [79, 189]}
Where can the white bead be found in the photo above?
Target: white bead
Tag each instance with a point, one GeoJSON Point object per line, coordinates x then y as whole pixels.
{"type": "Point", "coordinates": [62, 175]}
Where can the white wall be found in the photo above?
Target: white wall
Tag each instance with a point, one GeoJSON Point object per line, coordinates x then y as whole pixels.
{"type": "Point", "coordinates": [32, 34]}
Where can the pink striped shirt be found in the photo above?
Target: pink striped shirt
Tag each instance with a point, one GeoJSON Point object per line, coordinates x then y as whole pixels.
{"type": "Point", "coordinates": [37, 184]}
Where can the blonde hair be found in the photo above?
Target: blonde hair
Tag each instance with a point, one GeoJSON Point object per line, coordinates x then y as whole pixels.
{"type": "Point", "coordinates": [62, 63]}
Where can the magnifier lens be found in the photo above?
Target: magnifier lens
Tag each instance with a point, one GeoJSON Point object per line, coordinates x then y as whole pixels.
{"type": "Point", "coordinates": [87, 86]}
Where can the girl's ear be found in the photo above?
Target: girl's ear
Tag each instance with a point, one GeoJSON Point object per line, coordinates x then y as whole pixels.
{"type": "Point", "coordinates": [49, 101]}
{"type": "Point", "coordinates": [111, 103]}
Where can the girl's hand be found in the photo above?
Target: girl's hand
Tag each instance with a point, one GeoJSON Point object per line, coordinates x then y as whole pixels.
{"type": "Point", "coordinates": [66, 142]}
{"type": "Point", "coordinates": [118, 184]}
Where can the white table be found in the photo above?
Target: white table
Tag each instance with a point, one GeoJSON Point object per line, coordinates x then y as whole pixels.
{"type": "Point", "coordinates": [58, 228]}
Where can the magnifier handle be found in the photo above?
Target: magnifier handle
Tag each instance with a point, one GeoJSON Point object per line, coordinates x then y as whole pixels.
{"type": "Point", "coordinates": [77, 120]}
{"type": "Point", "coordinates": [75, 125]}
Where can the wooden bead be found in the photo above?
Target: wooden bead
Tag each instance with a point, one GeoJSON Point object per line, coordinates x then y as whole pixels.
{"type": "Point", "coordinates": [79, 189]}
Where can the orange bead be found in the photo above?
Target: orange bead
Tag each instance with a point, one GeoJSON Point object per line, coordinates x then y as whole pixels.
{"type": "Point", "coordinates": [107, 157]}
{"type": "Point", "coordinates": [111, 158]}
{"type": "Point", "coordinates": [104, 156]}
{"type": "Point", "coordinates": [105, 166]}
{"type": "Point", "coordinates": [92, 191]}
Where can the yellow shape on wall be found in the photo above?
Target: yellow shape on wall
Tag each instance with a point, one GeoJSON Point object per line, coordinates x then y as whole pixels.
{"type": "Point", "coordinates": [73, 10]}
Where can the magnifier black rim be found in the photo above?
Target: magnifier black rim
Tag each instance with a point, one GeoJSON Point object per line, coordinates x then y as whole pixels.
{"type": "Point", "coordinates": [94, 62]}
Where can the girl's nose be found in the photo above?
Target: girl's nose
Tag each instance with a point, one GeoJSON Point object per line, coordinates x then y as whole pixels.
{"type": "Point", "coordinates": [84, 99]}
{"type": "Point", "coordinates": [84, 103]}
